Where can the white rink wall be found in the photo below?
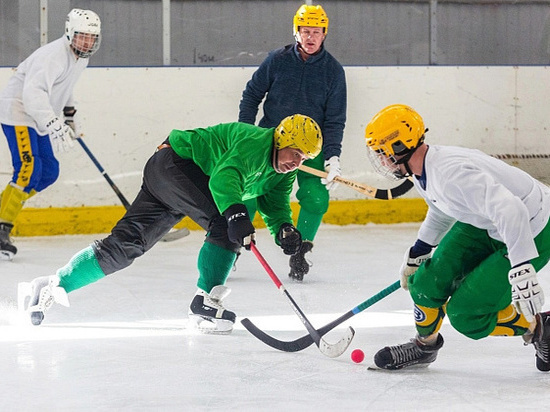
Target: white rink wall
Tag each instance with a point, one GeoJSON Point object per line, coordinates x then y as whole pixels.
{"type": "Point", "coordinates": [126, 112]}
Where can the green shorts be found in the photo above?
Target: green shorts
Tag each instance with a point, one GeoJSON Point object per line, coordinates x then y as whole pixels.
{"type": "Point", "coordinates": [469, 272]}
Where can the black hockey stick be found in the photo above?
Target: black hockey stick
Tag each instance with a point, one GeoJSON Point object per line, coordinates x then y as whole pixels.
{"type": "Point", "coordinates": [383, 194]}
{"type": "Point", "coordinates": [174, 235]}
{"type": "Point", "coordinates": [305, 341]}
{"type": "Point", "coordinates": [330, 350]}
{"type": "Point", "coordinates": [104, 173]}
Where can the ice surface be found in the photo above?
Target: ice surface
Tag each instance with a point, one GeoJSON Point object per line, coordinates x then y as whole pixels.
{"type": "Point", "coordinates": [123, 344]}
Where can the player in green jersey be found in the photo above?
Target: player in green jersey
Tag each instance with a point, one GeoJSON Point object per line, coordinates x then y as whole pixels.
{"type": "Point", "coordinates": [205, 174]}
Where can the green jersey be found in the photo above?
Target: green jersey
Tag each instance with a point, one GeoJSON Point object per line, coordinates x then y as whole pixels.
{"type": "Point", "coordinates": [238, 159]}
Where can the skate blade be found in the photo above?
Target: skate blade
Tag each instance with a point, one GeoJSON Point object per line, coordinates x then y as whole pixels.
{"type": "Point", "coordinates": [373, 367]}
{"type": "Point", "coordinates": [24, 290]}
{"type": "Point", "coordinates": [210, 326]}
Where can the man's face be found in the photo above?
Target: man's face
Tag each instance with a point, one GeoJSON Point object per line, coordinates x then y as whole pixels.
{"type": "Point", "coordinates": [311, 38]}
{"type": "Point", "coordinates": [84, 42]}
{"type": "Point", "coordinates": [288, 160]}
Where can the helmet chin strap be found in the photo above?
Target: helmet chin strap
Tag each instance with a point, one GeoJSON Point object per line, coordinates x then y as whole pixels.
{"type": "Point", "coordinates": [276, 160]}
{"type": "Point", "coordinates": [405, 162]}
{"type": "Point", "coordinates": [405, 159]}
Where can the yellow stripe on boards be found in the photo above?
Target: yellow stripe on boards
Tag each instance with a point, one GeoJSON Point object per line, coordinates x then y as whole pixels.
{"type": "Point", "coordinates": [101, 219]}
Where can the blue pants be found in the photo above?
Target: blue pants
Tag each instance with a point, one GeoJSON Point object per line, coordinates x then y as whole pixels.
{"type": "Point", "coordinates": [35, 166]}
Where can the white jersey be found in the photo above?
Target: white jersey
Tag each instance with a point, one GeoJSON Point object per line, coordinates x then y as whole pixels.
{"type": "Point", "coordinates": [42, 85]}
{"type": "Point", "coordinates": [469, 186]}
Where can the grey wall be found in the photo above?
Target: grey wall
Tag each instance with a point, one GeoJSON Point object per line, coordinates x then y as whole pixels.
{"type": "Point", "coordinates": [241, 32]}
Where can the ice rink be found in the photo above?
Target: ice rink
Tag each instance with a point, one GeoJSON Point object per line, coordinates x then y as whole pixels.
{"type": "Point", "coordinates": [123, 344]}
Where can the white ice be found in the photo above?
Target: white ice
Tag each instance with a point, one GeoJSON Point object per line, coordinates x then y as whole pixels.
{"type": "Point", "coordinates": [123, 344]}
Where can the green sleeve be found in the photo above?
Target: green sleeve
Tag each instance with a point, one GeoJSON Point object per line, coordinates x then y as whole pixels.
{"type": "Point", "coordinates": [274, 206]}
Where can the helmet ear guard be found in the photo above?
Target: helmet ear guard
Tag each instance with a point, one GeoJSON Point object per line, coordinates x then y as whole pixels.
{"type": "Point", "coordinates": [299, 132]}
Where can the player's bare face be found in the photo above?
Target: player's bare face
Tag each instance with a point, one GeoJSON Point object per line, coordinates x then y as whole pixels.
{"type": "Point", "coordinates": [311, 38]}
{"type": "Point", "coordinates": [289, 159]}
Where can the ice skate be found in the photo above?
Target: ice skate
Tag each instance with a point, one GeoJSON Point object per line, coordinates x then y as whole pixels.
{"type": "Point", "coordinates": [540, 338]}
{"type": "Point", "coordinates": [35, 297]}
{"type": "Point", "coordinates": [207, 314]}
{"type": "Point", "coordinates": [410, 354]}
{"type": "Point", "coordinates": [299, 266]}
{"type": "Point", "coordinates": [7, 249]}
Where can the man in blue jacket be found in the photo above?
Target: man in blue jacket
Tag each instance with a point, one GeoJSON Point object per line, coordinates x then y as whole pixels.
{"type": "Point", "coordinates": [303, 78]}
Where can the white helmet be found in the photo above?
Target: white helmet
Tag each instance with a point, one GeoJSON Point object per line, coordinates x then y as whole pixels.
{"type": "Point", "coordinates": [87, 23]}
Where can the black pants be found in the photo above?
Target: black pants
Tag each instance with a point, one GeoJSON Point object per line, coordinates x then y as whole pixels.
{"type": "Point", "coordinates": [172, 189]}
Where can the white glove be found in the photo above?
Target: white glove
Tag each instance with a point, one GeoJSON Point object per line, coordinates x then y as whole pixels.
{"type": "Point", "coordinates": [409, 266]}
{"type": "Point", "coordinates": [61, 135]}
{"type": "Point", "coordinates": [527, 295]}
{"type": "Point", "coordinates": [332, 167]}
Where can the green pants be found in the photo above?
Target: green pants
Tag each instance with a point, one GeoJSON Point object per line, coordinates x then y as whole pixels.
{"type": "Point", "coordinates": [313, 198]}
{"type": "Point", "coordinates": [469, 272]}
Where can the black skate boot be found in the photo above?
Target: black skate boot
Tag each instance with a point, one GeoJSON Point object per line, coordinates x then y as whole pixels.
{"type": "Point", "coordinates": [7, 249]}
{"type": "Point", "coordinates": [207, 314]}
{"type": "Point", "coordinates": [410, 354]}
{"type": "Point", "coordinates": [299, 266]}
{"type": "Point", "coordinates": [37, 296]}
{"type": "Point", "coordinates": [540, 338]}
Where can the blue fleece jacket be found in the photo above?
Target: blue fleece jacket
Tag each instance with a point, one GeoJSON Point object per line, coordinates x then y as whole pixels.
{"type": "Point", "coordinates": [315, 87]}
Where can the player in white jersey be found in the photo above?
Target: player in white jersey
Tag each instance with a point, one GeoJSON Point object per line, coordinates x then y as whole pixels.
{"type": "Point", "coordinates": [489, 221]}
{"type": "Point", "coordinates": [37, 114]}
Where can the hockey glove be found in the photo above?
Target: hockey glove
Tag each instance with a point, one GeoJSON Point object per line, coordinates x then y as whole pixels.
{"type": "Point", "coordinates": [527, 295]}
{"type": "Point", "coordinates": [239, 227]}
{"type": "Point", "coordinates": [289, 238]}
{"type": "Point", "coordinates": [414, 257]}
{"type": "Point", "coordinates": [61, 135]}
{"type": "Point", "coordinates": [69, 113]}
{"type": "Point", "coordinates": [332, 167]}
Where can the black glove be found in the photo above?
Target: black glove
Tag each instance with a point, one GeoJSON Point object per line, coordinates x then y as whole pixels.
{"type": "Point", "coordinates": [68, 113]}
{"type": "Point", "coordinates": [239, 227]}
{"type": "Point", "coordinates": [289, 239]}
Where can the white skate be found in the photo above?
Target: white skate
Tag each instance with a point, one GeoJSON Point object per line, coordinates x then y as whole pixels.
{"type": "Point", "coordinates": [207, 314]}
{"type": "Point", "coordinates": [37, 296]}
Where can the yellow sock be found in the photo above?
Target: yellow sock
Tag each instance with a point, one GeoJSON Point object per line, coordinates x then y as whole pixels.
{"type": "Point", "coordinates": [11, 203]}
{"type": "Point", "coordinates": [510, 323]}
{"type": "Point", "coordinates": [428, 320]}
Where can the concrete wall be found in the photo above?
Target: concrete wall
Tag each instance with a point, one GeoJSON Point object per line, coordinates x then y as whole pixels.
{"type": "Point", "coordinates": [241, 32]}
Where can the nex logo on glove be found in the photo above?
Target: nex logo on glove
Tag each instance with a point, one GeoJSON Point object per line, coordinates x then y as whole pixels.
{"type": "Point", "coordinates": [520, 273]}
{"type": "Point", "coordinates": [236, 216]}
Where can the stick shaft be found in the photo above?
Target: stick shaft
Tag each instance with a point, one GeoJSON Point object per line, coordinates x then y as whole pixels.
{"type": "Point", "coordinates": [382, 194]}
{"type": "Point", "coordinates": [312, 331]}
{"type": "Point", "coordinates": [367, 190]}
{"type": "Point", "coordinates": [104, 173]}
{"type": "Point", "coordinates": [306, 340]}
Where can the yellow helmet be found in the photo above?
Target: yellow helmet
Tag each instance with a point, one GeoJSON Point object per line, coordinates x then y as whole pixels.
{"type": "Point", "coordinates": [395, 130]}
{"type": "Point", "coordinates": [299, 132]}
{"type": "Point", "coordinates": [310, 16]}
